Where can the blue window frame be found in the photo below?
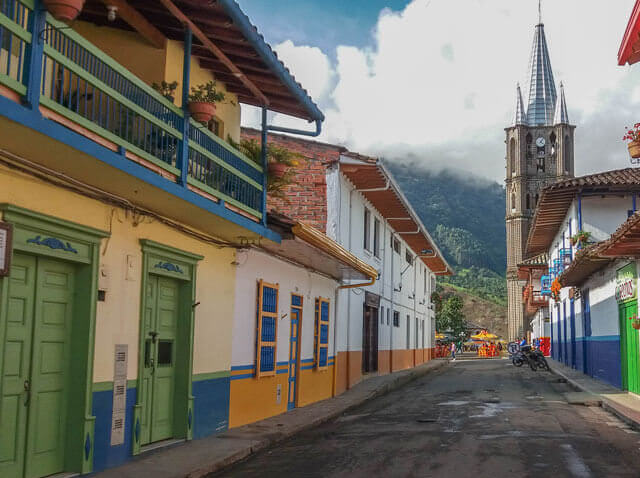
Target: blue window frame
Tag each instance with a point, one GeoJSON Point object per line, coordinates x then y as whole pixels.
{"type": "Point", "coordinates": [322, 334]}
{"type": "Point", "coordinates": [267, 330]}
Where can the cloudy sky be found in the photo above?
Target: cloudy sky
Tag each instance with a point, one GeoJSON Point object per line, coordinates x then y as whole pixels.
{"type": "Point", "coordinates": [434, 81]}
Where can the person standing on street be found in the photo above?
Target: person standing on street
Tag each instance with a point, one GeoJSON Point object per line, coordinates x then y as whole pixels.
{"type": "Point", "coordinates": [453, 350]}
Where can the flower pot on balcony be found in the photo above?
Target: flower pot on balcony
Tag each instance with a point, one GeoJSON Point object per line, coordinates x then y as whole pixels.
{"type": "Point", "coordinates": [636, 324]}
{"type": "Point", "coordinates": [201, 111]}
{"type": "Point", "coordinates": [277, 170]}
{"type": "Point", "coordinates": [634, 149]}
{"type": "Point", "coordinates": [64, 10]}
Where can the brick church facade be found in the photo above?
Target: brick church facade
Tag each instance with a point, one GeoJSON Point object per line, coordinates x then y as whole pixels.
{"type": "Point", "coordinates": [539, 152]}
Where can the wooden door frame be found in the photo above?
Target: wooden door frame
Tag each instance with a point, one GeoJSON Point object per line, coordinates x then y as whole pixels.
{"type": "Point", "coordinates": [298, 345]}
{"type": "Point", "coordinates": [47, 236]}
{"type": "Point", "coordinates": [162, 260]}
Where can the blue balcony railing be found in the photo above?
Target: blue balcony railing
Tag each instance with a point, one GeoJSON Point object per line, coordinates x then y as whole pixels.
{"type": "Point", "coordinates": [82, 84]}
{"type": "Point", "coordinates": [545, 285]}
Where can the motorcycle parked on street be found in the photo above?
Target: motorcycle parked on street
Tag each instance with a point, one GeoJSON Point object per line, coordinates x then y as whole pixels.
{"type": "Point", "coordinates": [520, 355]}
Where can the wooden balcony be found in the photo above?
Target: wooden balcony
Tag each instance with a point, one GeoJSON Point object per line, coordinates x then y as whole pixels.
{"type": "Point", "coordinates": [80, 87]}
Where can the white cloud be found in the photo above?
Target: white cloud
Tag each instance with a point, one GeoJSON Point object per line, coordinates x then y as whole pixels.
{"type": "Point", "coordinates": [438, 81]}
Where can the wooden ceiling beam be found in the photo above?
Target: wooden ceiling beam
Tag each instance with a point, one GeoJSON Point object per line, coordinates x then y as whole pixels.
{"type": "Point", "coordinates": [199, 34]}
{"type": "Point", "coordinates": [138, 22]}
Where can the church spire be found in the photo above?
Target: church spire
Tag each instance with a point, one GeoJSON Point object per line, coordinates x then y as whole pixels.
{"type": "Point", "coordinates": [520, 117]}
{"type": "Point", "coordinates": [561, 116]}
{"type": "Point", "coordinates": [542, 88]}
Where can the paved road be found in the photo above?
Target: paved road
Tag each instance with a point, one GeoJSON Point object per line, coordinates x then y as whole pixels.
{"type": "Point", "coordinates": [475, 418]}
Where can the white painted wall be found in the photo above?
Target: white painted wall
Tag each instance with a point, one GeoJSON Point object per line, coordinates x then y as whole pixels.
{"type": "Point", "coordinates": [255, 265]}
{"type": "Point", "coordinates": [345, 212]}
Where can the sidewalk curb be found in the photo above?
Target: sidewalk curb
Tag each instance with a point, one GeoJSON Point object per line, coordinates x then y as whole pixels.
{"type": "Point", "coordinates": [394, 384]}
{"type": "Point", "coordinates": [617, 409]}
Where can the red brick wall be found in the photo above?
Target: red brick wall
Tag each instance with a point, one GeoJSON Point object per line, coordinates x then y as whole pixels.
{"type": "Point", "coordinates": [306, 197]}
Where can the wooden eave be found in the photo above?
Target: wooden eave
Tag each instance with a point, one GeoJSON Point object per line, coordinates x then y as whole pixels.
{"type": "Point", "coordinates": [625, 242]}
{"type": "Point", "coordinates": [629, 51]}
{"type": "Point", "coordinates": [587, 262]}
{"type": "Point", "coordinates": [556, 199]}
{"type": "Point", "coordinates": [238, 65]}
{"type": "Point", "coordinates": [366, 174]}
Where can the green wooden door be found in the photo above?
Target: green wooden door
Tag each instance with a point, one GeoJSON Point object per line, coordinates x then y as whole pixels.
{"type": "Point", "coordinates": [629, 351]}
{"type": "Point", "coordinates": [160, 332]}
{"type": "Point", "coordinates": [36, 363]}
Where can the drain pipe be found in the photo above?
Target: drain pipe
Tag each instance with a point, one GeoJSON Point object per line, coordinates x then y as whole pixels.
{"type": "Point", "coordinates": [348, 364]}
{"type": "Point", "coordinates": [393, 308]}
{"type": "Point", "coordinates": [265, 128]}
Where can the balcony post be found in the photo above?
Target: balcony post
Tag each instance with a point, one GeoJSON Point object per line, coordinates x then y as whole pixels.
{"type": "Point", "coordinates": [263, 157]}
{"type": "Point", "coordinates": [34, 55]}
{"type": "Point", "coordinates": [183, 153]}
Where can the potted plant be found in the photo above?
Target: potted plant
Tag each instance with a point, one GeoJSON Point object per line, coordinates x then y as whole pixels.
{"type": "Point", "coordinates": [280, 160]}
{"type": "Point", "coordinates": [166, 89]}
{"type": "Point", "coordinates": [64, 10]}
{"type": "Point", "coordinates": [635, 322]}
{"type": "Point", "coordinates": [581, 237]}
{"type": "Point", "coordinates": [202, 101]}
{"type": "Point", "coordinates": [633, 136]}
{"type": "Point", "coordinates": [556, 287]}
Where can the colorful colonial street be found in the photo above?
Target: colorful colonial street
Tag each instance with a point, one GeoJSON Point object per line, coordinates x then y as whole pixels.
{"type": "Point", "coordinates": [481, 418]}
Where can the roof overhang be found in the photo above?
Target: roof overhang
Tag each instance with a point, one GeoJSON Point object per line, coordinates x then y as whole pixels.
{"type": "Point", "coordinates": [374, 181]}
{"type": "Point", "coordinates": [230, 47]}
{"type": "Point", "coordinates": [625, 242]}
{"type": "Point", "coordinates": [629, 51]}
{"type": "Point", "coordinates": [586, 262]}
{"type": "Point", "coordinates": [308, 247]}
{"type": "Point", "coordinates": [556, 199]}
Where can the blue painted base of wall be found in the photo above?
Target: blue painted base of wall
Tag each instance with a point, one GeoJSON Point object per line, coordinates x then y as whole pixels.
{"type": "Point", "coordinates": [211, 415]}
{"type": "Point", "coordinates": [105, 455]}
{"type": "Point", "coordinates": [210, 406]}
{"type": "Point", "coordinates": [598, 357]}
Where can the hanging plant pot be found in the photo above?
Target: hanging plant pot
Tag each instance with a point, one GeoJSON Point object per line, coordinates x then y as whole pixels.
{"type": "Point", "coordinates": [64, 10]}
{"type": "Point", "coordinates": [277, 170]}
{"type": "Point", "coordinates": [634, 149]}
{"type": "Point", "coordinates": [201, 111]}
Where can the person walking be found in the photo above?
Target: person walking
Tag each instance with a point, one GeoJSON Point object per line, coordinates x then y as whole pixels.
{"type": "Point", "coordinates": [453, 350]}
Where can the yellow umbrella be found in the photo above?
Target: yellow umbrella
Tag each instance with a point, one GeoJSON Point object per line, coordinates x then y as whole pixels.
{"type": "Point", "coordinates": [484, 335]}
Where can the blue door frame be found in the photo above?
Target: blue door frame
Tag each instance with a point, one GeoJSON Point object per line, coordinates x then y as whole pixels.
{"type": "Point", "coordinates": [294, 350]}
{"type": "Point", "coordinates": [559, 353]}
{"type": "Point", "coordinates": [586, 327]}
{"type": "Point", "coordinates": [572, 310]}
{"type": "Point", "coordinates": [565, 348]}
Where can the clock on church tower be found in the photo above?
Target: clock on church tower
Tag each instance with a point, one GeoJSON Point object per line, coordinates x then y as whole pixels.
{"type": "Point", "coordinates": [539, 152]}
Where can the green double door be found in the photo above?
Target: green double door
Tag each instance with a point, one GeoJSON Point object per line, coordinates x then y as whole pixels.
{"type": "Point", "coordinates": [160, 332]}
{"type": "Point", "coordinates": [34, 414]}
{"type": "Point", "coordinates": [629, 351]}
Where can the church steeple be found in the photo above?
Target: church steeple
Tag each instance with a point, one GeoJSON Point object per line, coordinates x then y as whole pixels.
{"type": "Point", "coordinates": [542, 88]}
{"type": "Point", "coordinates": [561, 116]}
{"type": "Point", "coordinates": [520, 117]}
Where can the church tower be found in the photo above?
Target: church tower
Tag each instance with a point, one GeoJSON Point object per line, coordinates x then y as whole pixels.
{"type": "Point", "coordinates": [539, 152]}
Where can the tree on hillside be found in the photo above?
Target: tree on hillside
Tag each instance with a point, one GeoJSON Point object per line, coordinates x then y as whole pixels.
{"type": "Point", "coordinates": [450, 316]}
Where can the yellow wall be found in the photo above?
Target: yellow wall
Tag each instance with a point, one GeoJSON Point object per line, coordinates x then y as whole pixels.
{"type": "Point", "coordinates": [253, 399]}
{"type": "Point", "coordinates": [154, 65]}
{"type": "Point", "coordinates": [128, 49]}
{"type": "Point", "coordinates": [315, 385]}
{"type": "Point", "coordinates": [118, 317]}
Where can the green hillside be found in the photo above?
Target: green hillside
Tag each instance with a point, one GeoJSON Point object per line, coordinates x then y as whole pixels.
{"type": "Point", "coordinates": [465, 216]}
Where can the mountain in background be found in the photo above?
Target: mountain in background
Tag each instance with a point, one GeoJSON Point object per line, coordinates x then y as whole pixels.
{"type": "Point", "coordinates": [465, 216]}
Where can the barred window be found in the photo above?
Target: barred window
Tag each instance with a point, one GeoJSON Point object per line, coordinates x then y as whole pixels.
{"type": "Point", "coordinates": [267, 329]}
{"type": "Point", "coordinates": [321, 358]}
